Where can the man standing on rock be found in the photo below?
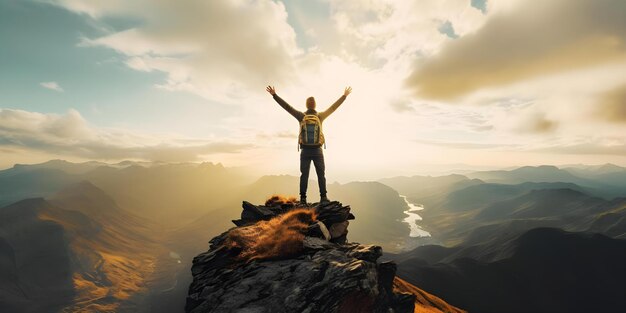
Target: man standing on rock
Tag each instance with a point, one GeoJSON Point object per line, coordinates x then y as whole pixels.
{"type": "Point", "coordinates": [310, 139]}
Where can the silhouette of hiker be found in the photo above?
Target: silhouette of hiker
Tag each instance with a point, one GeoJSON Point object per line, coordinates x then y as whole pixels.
{"type": "Point", "coordinates": [310, 139]}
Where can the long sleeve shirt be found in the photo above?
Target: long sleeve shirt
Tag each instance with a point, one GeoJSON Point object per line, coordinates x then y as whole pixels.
{"type": "Point", "coordinates": [300, 115]}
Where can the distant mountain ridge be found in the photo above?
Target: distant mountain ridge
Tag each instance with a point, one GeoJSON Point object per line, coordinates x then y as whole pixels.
{"type": "Point", "coordinates": [561, 207]}
{"type": "Point", "coordinates": [536, 174]}
{"type": "Point", "coordinates": [608, 180]}
{"type": "Point", "coordinates": [148, 190]}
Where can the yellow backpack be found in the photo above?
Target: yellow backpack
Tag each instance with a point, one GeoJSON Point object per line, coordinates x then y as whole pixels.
{"type": "Point", "coordinates": [311, 131]}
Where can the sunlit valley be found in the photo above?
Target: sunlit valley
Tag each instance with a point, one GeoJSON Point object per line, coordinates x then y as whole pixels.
{"type": "Point", "coordinates": [120, 237]}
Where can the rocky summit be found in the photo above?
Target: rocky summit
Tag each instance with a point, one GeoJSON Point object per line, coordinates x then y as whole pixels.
{"type": "Point", "coordinates": [286, 257]}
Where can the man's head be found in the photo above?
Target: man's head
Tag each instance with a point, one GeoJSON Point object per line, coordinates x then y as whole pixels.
{"type": "Point", "coordinates": [310, 103]}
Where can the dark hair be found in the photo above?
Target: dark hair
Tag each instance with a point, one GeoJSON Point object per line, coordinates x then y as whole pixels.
{"type": "Point", "coordinates": [310, 103]}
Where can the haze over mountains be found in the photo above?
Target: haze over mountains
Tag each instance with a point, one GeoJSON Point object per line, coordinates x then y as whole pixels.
{"type": "Point", "coordinates": [121, 237]}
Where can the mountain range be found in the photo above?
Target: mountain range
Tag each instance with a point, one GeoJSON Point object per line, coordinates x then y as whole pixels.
{"type": "Point", "coordinates": [120, 237]}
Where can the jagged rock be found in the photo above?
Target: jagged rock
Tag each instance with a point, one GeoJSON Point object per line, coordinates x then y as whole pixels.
{"type": "Point", "coordinates": [327, 277]}
{"type": "Point", "coordinates": [314, 243]}
{"type": "Point", "coordinates": [338, 229]}
{"type": "Point", "coordinates": [319, 230]}
{"type": "Point", "coordinates": [322, 276]}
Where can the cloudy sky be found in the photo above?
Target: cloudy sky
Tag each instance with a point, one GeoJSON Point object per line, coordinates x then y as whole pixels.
{"type": "Point", "coordinates": [437, 84]}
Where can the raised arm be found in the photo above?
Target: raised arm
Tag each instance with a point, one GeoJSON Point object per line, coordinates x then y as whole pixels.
{"type": "Point", "coordinates": [332, 108]}
{"type": "Point", "coordinates": [297, 114]}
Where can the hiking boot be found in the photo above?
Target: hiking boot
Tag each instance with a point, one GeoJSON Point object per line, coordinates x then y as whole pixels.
{"type": "Point", "coordinates": [324, 199]}
{"type": "Point", "coordinates": [303, 200]}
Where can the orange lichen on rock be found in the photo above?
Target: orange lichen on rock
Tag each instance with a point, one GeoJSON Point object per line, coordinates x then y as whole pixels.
{"type": "Point", "coordinates": [280, 199]}
{"type": "Point", "coordinates": [280, 237]}
{"type": "Point", "coordinates": [425, 302]}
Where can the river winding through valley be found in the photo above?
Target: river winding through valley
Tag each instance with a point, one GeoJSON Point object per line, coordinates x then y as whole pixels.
{"type": "Point", "coordinates": [412, 219]}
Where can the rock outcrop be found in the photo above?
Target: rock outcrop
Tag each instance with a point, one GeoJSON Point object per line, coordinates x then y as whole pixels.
{"type": "Point", "coordinates": [283, 257]}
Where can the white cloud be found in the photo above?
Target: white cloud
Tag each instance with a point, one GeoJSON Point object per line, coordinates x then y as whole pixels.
{"type": "Point", "coordinates": [70, 135]}
{"type": "Point", "coordinates": [52, 86]}
{"type": "Point", "coordinates": [224, 50]}
{"type": "Point", "coordinates": [529, 39]}
{"type": "Point", "coordinates": [386, 32]}
{"type": "Point", "coordinates": [217, 49]}
{"type": "Point", "coordinates": [565, 105]}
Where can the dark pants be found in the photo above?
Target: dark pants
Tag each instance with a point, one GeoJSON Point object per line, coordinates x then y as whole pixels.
{"type": "Point", "coordinates": [317, 156]}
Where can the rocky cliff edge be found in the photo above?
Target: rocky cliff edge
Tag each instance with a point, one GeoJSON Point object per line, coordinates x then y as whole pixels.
{"type": "Point", "coordinates": [286, 257]}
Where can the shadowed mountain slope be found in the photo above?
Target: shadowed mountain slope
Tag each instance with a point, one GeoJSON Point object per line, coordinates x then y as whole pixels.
{"type": "Point", "coordinates": [36, 256]}
{"type": "Point", "coordinates": [540, 204]}
{"type": "Point", "coordinates": [78, 251]}
{"type": "Point", "coordinates": [542, 270]}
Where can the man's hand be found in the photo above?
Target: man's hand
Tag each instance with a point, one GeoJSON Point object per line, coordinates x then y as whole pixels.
{"type": "Point", "coordinates": [271, 90]}
{"type": "Point", "coordinates": [347, 91]}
